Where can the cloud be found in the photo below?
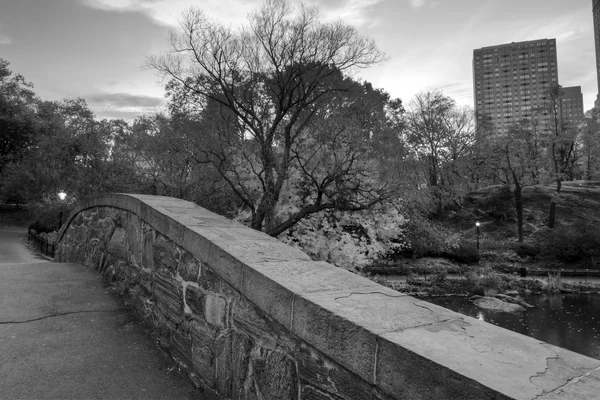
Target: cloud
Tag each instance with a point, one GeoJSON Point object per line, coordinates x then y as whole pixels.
{"type": "Point", "coordinates": [168, 12]}
{"type": "Point", "coordinates": [125, 106]}
{"type": "Point", "coordinates": [354, 12]}
{"type": "Point", "coordinates": [126, 100]}
{"type": "Point", "coordinates": [5, 40]}
{"type": "Point", "coordinates": [418, 3]}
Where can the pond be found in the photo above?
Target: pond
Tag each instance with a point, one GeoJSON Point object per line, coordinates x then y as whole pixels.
{"type": "Point", "coordinates": [571, 321]}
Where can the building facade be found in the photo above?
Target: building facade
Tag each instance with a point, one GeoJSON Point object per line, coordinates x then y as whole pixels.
{"type": "Point", "coordinates": [596, 16]}
{"type": "Point", "coordinates": [572, 106]}
{"type": "Point", "coordinates": [511, 82]}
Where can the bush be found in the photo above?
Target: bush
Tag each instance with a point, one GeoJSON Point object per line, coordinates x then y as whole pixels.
{"type": "Point", "coordinates": [553, 284]}
{"type": "Point", "coordinates": [486, 283]}
{"type": "Point", "coordinates": [46, 215]}
{"type": "Point", "coordinates": [464, 253]}
{"type": "Point", "coordinates": [501, 204]}
{"type": "Point", "coordinates": [428, 239]}
{"type": "Point", "coordinates": [525, 250]}
{"type": "Point", "coordinates": [569, 244]}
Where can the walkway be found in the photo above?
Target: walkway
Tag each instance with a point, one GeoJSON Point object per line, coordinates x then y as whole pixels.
{"type": "Point", "coordinates": [64, 336]}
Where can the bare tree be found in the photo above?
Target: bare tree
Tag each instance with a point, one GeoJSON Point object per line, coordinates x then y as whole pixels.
{"type": "Point", "coordinates": [267, 82]}
{"type": "Point", "coordinates": [519, 158]}
{"type": "Point", "coordinates": [443, 135]}
{"type": "Point", "coordinates": [561, 149]}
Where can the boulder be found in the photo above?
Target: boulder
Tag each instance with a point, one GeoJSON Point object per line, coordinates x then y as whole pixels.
{"type": "Point", "coordinates": [494, 304]}
{"type": "Point", "coordinates": [514, 300]}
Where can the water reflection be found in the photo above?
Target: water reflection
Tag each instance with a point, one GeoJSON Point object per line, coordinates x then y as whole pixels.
{"type": "Point", "coordinates": [571, 321]}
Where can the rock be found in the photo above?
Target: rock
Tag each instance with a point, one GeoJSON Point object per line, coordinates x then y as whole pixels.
{"type": "Point", "coordinates": [494, 304]}
{"type": "Point", "coordinates": [510, 299]}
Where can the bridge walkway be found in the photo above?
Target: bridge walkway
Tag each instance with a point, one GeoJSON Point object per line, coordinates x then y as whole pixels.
{"type": "Point", "coordinates": [65, 335]}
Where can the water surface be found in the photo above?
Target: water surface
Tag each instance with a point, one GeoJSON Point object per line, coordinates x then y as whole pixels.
{"type": "Point", "coordinates": [571, 321]}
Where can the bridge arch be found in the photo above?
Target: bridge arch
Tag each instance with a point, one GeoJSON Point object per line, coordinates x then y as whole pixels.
{"type": "Point", "coordinates": [249, 317]}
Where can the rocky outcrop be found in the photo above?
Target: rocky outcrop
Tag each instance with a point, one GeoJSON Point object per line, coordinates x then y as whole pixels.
{"type": "Point", "coordinates": [579, 201]}
{"type": "Point", "coordinates": [495, 304]}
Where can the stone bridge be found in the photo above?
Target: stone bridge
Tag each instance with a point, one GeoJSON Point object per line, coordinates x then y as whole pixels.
{"type": "Point", "coordinates": [250, 318]}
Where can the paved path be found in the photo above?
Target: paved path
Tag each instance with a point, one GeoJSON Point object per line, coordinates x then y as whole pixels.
{"type": "Point", "coordinates": [64, 336]}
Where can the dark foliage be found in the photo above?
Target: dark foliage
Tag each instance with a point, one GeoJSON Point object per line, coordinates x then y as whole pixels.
{"type": "Point", "coordinates": [465, 253]}
{"type": "Point", "coordinates": [570, 244]}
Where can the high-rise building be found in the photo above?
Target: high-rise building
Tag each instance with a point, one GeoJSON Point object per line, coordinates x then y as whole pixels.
{"type": "Point", "coordinates": [511, 82]}
{"type": "Point", "coordinates": [572, 106]}
{"type": "Point", "coordinates": [596, 15]}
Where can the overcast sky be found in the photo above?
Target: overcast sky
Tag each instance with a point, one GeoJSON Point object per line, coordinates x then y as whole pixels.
{"type": "Point", "coordinates": [95, 48]}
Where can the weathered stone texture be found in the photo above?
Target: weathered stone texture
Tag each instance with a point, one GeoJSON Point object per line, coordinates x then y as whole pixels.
{"type": "Point", "coordinates": [227, 344]}
{"type": "Point", "coordinates": [249, 318]}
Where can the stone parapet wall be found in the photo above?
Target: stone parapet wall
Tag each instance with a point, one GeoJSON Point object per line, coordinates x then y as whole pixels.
{"type": "Point", "coordinates": [251, 318]}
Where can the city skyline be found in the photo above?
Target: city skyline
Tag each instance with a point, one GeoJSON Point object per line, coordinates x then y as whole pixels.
{"type": "Point", "coordinates": [95, 49]}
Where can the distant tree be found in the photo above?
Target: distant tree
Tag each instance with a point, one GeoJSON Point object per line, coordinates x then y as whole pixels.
{"type": "Point", "coordinates": [443, 135]}
{"type": "Point", "coordinates": [265, 87]}
{"type": "Point", "coordinates": [589, 147]}
{"type": "Point", "coordinates": [17, 115]}
{"type": "Point", "coordinates": [71, 152]}
{"type": "Point", "coordinates": [561, 149]}
{"type": "Point", "coordinates": [519, 159]}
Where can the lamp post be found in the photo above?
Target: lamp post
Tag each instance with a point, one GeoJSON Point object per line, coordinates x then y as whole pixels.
{"type": "Point", "coordinates": [62, 196]}
{"type": "Point", "coordinates": [477, 228]}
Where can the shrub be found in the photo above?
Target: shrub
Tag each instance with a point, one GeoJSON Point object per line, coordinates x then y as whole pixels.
{"type": "Point", "coordinates": [46, 214]}
{"type": "Point", "coordinates": [569, 244]}
{"type": "Point", "coordinates": [428, 238]}
{"type": "Point", "coordinates": [553, 284]}
{"type": "Point", "coordinates": [525, 250]}
{"type": "Point", "coordinates": [500, 203]}
{"type": "Point", "coordinates": [464, 253]}
{"type": "Point", "coordinates": [486, 282]}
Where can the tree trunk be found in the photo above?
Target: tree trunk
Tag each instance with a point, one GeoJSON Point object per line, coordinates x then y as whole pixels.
{"type": "Point", "coordinates": [518, 193]}
{"type": "Point", "coordinates": [553, 201]}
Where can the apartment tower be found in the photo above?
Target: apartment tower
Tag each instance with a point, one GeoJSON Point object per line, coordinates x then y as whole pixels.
{"type": "Point", "coordinates": [572, 106]}
{"type": "Point", "coordinates": [511, 82]}
{"type": "Point", "coordinates": [596, 15]}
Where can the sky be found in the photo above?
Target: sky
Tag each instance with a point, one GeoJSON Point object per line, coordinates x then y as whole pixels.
{"type": "Point", "coordinates": [96, 49]}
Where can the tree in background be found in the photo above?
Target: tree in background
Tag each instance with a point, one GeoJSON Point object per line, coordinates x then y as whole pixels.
{"type": "Point", "coordinates": [561, 148]}
{"type": "Point", "coordinates": [589, 147]}
{"type": "Point", "coordinates": [443, 137]}
{"type": "Point", "coordinates": [17, 115]}
{"type": "Point", "coordinates": [265, 87]}
{"type": "Point", "coordinates": [519, 157]}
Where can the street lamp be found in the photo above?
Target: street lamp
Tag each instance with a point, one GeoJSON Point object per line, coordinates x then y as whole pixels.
{"type": "Point", "coordinates": [62, 196]}
{"type": "Point", "coordinates": [477, 227]}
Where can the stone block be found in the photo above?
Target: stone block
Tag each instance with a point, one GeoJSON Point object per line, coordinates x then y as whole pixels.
{"type": "Point", "coordinates": [328, 379]}
{"type": "Point", "coordinates": [165, 253]}
{"type": "Point", "coordinates": [274, 374]}
{"type": "Point", "coordinates": [194, 298]}
{"type": "Point", "coordinates": [116, 245]}
{"type": "Point", "coordinates": [215, 310]}
{"type": "Point", "coordinates": [251, 320]}
{"type": "Point", "coordinates": [350, 344]}
{"type": "Point", "coordinates": [269, 295]}
{"type": "Point", "coordinates": [233, 361]}
{"type": "Point", "coordinates": [168, 295]}
{"type": "Point", "coordinates": [203, 352]}
{"type": "Point", "coordinates": [165, 225]}
{"type": "Point", "coordinates": [401, 373]}
{"type": "Point", "coordinates": [181, 348]}
{"type": "Point", "coordinates": [189, 267]}
{"type": "Point", "coordinates": [147, 251]}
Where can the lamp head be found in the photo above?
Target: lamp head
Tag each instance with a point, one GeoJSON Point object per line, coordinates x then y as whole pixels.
{"type": "Point", "coordinates": [477, 224]}
{"type": "Point", "coordinates": [62, 195]}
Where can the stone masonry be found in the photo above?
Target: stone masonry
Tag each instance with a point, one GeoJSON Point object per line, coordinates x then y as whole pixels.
{"type": "Point", "coordinates": [250, 318]}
